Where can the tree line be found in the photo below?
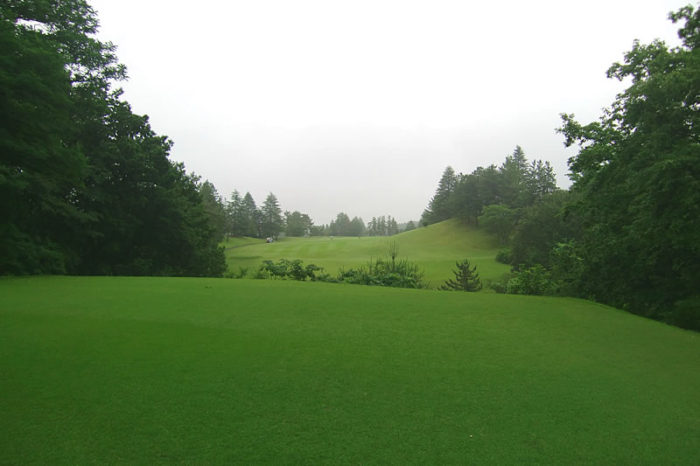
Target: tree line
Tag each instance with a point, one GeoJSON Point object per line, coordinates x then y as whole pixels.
{"type": "Point", "coordinates": [626, 232]}
{"type": "Point", "coordinates": [240, 216]}
{"type": "Point", "coordinates": [515, 184]}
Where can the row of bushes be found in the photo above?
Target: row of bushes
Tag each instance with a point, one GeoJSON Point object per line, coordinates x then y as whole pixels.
{"type": "Point", "coordinates": [377, 272]}
{"type": "Point", "coordinates": [392, 272]}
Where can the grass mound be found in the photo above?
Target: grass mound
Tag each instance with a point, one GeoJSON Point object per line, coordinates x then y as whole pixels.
{"type": "Point", "coordinates": [166, 370]}
{"type": "Point", "coordinates": [435, 249]}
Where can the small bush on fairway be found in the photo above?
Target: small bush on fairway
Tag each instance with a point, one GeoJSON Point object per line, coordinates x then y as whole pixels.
{"type": "Point", "coordinates": [284, 268]}
{"type": "Point", "coordinates": [382, 272]}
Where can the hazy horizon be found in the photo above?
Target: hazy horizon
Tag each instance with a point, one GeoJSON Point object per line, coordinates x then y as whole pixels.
{"type": "Point", "coordinates": [358, 107]}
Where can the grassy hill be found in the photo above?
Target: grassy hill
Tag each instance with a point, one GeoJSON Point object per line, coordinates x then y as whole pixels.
{"type": "Point", "coordinates": [166, 370]}
{"type": "Point", "coordinates": [435, 249]}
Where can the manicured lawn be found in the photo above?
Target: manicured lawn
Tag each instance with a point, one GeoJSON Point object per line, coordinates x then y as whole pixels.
{"type": "Point", "coordinates": [207, 371]}
{"type": "Point", "coordinates": [435, 249]}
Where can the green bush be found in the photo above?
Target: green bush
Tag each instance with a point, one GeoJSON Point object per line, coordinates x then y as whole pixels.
{"type": "Point", "coordinates": [535, 280]}
{"type": "Point", "coordinates": [284, 269]}
{"type": "Point", "coordinates": [385, 272]}
{"type": "Point", "coordinates": [504, 256]}
{"type": "Point", "coordinates": [686, 314]}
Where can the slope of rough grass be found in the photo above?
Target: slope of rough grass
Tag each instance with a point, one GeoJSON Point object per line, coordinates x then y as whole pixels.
{"type": "Point", "coordinates": [435, 249]}
{"type": "Point", "coordinates": [206, 371]}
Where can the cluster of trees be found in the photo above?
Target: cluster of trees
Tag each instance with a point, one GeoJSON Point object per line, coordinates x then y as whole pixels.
{"type": "Point", "coordinates": [86, 186]}
{"type": "Point", "coordinates": [343, 226]}
{"type": "Point", "coordinates": [240, 216]}
{"type": "Point", "coordinates": [626, 233]}
{"type": "Point", "coordinates": [382, 226]}
{"type": "Point", "coordinates": [514, 185]}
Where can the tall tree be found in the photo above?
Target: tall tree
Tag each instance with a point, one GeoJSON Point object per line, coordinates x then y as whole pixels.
{"type": "Point", "coordinates": [271, 215]}
{"type": "Point", "coordinates": [340, 226]}
{"type": "Point", "coordinates": [252, 217]}
{"type": "Point", "coordinates": [440, 207]}
{"type": "Point", "coordinates": [297, 224]}
{"type": "Point", "coordinates": [514, 173]}
{"type": "Point", "coordinates": [235, 212]}
{"type": "Point", "coordinates": [214, 207]}
{"type": "Point", "coordinates": [356, 227]}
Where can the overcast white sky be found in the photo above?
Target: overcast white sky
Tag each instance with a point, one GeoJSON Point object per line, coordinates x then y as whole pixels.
{"type": "Point", "coordinates": [358, 106]}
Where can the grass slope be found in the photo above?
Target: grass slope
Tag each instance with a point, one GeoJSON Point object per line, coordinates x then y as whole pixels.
{"type": "Point", "coordinates": [167, 370]}
{"type": "Point", "coordinates": [435, 249]}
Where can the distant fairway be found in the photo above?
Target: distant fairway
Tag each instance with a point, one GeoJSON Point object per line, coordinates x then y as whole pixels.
{"type": "Point", "coordinates": [435, 249]}
{"type": "Point", "coordinates": [214, 371]}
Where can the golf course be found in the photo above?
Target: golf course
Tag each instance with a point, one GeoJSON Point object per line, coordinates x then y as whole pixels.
{"type": "Point", "coordinates": [211, 371]}
{"type": "Point", "coordinates": [434, 248]}
{"type": "Point", "coordinates": [349, 233]}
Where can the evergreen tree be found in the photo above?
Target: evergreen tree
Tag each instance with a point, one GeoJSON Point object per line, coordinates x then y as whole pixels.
{"type": "Point", "coordinates": [356, 227]}
{"type": "Point", "coordinates": [214, 207]}
{"type": "Point", "coordinates": [235, 211]}
{"type": "Point", "coordinates": [271, 215]}
{"type": "Point", "coordinates": [440, 207]}
{"type": "Point", "coordinates": [251, 216]}
{"type": "Point", "coordinates": [466, 278]}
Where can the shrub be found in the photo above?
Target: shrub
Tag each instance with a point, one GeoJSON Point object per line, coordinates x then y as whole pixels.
{"type": "Point", "coordinates": [534, 280]}
{"type": "Point", "coordinates": [383, 272]}
{"type": "Point", "coordinates": [284, 269]}
{"type": "Point", "coordinates": [504, 256]}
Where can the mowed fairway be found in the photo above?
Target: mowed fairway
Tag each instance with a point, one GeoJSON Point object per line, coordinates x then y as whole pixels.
{"type": "Point", "coordinates": [435, 249]}
{"type": "Point", "coordinates": [214, 371]}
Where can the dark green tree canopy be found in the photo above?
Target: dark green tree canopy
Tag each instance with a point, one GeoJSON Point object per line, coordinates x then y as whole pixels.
{"type": "Point", "coordinates": [637, 179]}
{"type": "Point", "coordinates": [297, 224]}
{"type": "Point", "coordinates": [271, 215]}
{"type": "Point", "coordinates": [86, 185]}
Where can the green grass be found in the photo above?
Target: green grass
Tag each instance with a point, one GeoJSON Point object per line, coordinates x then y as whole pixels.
{"type": "Point", "coordinates": [435, 249]}
{"type": "Point", "coordinates": [207, 371]}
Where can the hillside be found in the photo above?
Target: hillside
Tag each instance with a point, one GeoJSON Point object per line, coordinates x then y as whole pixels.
{"type": "Point", "coordinates": [435, 249]}
{"type": "Point", "coordinates": [168, 370]}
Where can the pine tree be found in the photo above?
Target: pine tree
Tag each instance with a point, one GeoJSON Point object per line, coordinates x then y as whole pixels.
{"type": "Point", "coordinates": [272, 222]}
{"type": "Point", "coordinates": [466, 278]}
{"type": "Point", "coordinates": [440, 207]}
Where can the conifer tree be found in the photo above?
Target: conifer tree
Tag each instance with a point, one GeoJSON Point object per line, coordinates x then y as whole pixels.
{"type": "Point", "coordinates": [466, 278]}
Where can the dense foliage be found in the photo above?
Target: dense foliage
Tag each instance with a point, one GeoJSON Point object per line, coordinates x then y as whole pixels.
{"type": "Point", "coordinates": [637, 181]}
{"type": "Point", "coordinates": [513, 185]}
{"type": "Point", "coordinates": [86, 186]}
